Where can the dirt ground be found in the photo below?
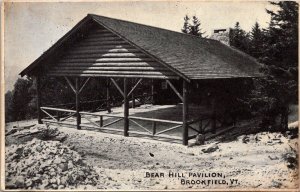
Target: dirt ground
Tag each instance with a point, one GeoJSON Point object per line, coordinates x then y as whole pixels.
{"type": "Point", "coordinates": [238, 159]}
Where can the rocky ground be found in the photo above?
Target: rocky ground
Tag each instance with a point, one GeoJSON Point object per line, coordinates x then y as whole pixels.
{"type": "Point", "coordinates": [81, 159]}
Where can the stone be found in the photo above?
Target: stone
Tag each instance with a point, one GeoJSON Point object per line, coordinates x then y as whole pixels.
{"type": "Point", "coordinates": [28, 183]}
{"type": "Point", "coordinates": [63, 180]}
{"type": "Point", "coordinates": [38, 148]}
{"type": "Point", "coordinates": [52, 181]}
{"type": "Point", "coordinates": [61, 187]}
{"type": "Point", "coordinates": [19, 181]}
{"type": "Point", "coordinates": [63, 166]}
{"type": "Point", "coordinates": [70, 165]}
{"type": "Point", "coordinates": [200, 139]}
{"type": "Point", "coordinates": [54, 186]}
{"type": "Point", "coordinates": [57, 160]}
{"type": "Point", "coordinates": [211, 149]}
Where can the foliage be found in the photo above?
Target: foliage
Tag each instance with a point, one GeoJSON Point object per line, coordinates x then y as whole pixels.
{"type": "Point", "coordinates": [17, 101]}
{"type": "Point", "coordinates": [8, 106]}
{"type": "Point", "coordinates": [277, 48]}
{"type": "Point", "coordinates": [192, 28]}
{"type": "Point", "coordinates": [238, 38]}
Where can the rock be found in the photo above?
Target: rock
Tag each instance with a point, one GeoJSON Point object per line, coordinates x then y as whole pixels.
{"type": "Point", "coordinates": [28, 183]}
{"type": "Point", "coordinates": [52, 173]}
{"type": "Point", "coordinates": [200, 139]}
{"type": "Point", "coordinates": [57, 161]}
{"type": "Point", "coordinates": [63, 166]}
{"type": "Point", "coordinates": [54, 186]}
{"type": "Point", "coordinates": [52, 181]}
{"type": "Point", "coordinates": [210, 149]}
{"type": "Point", "coordinates": [38, 148]}
{"type": "Point", "coordinates": [70, 165]}
{"type": "Point", "coordinates": [19, 181]}
{"type": "Point", "coordinates": [45, 167]}
{"type": "Point", "coordinates": [61, 187]}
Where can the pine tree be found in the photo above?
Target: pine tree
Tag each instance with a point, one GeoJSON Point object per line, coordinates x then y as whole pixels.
{"type": "Point", "coordinates": [256, 41]}
{"type": "Point", "coordinates": [278, 89]}
{"type": "Point", "coordinates": [186, 25]}
{"type": "Point", "coordinates": [238, 38]}
{"type": "Point", "coordinates": [192, 28]}
{"type": "Point", "coordinates": [195, 28]}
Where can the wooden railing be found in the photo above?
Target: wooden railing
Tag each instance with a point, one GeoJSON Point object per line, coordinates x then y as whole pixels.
{"type": "Point", "coordinates": [154, 132]}
{"type": "Point", "coordinates": [60, 115]}
{"type": "Point", "coordinates": [93, 124]}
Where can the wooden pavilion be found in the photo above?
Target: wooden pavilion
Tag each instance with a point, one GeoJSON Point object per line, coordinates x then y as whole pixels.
{"type": "Point", "coordinates": [111, 49]}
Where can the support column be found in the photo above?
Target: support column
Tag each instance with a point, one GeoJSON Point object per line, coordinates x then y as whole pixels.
{"type": "Point", "coordinates": [38, 99]}
{"type": "Point", "coordinates": [78, 118]}
{"type": "Point", "coordinates": [185, 132]}
{"type": "Point", "coordinates": [213, 118]}
{"type": "Point", "coordinates": [132, 96]}
{"type": "Point", "coordinates": [152, 92]}
{"type": "Point", "coordinates": [126, 108]}
{"type": "Point", "coordinates": [107, 96]}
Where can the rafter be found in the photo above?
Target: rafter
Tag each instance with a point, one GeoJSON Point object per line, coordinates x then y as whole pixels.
{"type": "Point", "coordinates": [117, 86]}
{"type": "Point", "coordinates": [139, 81]}
{"type": "Point", "coordinates": [175, 90]}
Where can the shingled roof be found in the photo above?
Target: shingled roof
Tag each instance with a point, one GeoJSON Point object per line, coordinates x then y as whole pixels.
{"type": "Point", "coordinates": [188, 56]}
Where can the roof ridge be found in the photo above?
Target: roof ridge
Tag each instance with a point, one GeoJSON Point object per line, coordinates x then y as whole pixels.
{"type": "Point", "coordinates": [177, 32]}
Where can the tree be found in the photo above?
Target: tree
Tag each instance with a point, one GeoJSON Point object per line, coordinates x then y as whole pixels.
{"type": "Point", "coordinates": [186, 25]}
{"type": "Point", "coordinates": [20, 99]}
{"type": "Point", "coordinates": [192, 28]}
{"type": "Point", "coordinates": [8, 106]}
{"type": "Point", "coordinates": [257, 40]}
{"type": "Point", "coordinates": [278, 89]}
{"type": "Point", "coordinates": [195, 28]}
{"type": "Point", "coordinates": [238, 38]}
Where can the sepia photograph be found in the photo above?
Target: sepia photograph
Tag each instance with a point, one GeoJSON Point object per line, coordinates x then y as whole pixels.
{"type": "Point", "coordinates": [149, 95]}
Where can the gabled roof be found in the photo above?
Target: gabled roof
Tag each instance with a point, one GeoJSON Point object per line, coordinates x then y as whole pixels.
{"type": "Point", "coordinates": [190, 57]}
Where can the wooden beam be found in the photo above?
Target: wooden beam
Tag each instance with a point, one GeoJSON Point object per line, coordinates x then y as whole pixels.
{"type": "Point", "coordinates": [153, 128]}
{"type": "Point", "coordinates": [169, 129]}
{"type": "Point", "coordinates": [110, 123]}
{"type": "Point", "coordinates": [38, 99]}
{"type": "Point", "coordinates": [156, 120]}
{"type": "Point", "coordinates": [152, 91]}
{"type": "Point", "coordinates": [139, 125]}
{"type": "Point", "coordinates": [213, 118]}
{"type": "Point", "coordinates": [49, 115]}
{"type": "Point", "coordinates": [126, 109]}
{"type": "Point", "coordinates": [117, 86]}
{"type": "Point", "coordinates": [108, 96]}
{"type": "Point", "coordinates": [58, 109]}
{"type": "Point", "coordinates": [185, 132]}
{"type": "Point", "coordinates": [70, 84]}
{"type": "Point", "coordinates": [134, 86]}
{"type": "Point", "coordinates": [86, 81]}
{"type": "Point", "coordinates": [78, 118]}
{"type": "Point", "coordinates": [175, 90]}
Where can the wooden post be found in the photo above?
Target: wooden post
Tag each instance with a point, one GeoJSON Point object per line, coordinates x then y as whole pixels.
{"type": "Point", "coordinates": [133, 100]}
{"type": "Point", "coordinates": [132, 95]}
{"type": "Point", "coordinates": [107, 96]}
{"type": "Point", "coordinates": [78, 118]}
{"type": "Point", "coordinates": [101, 121]}
{"type": "Point", "coordinates": [38, 99]}
{"type": "Point", "coordinates": [213, 118]}
{"type": "Point", "coordinates": [185, 132]}
{"type": "Point", "coordinates": [153, 128]}
{"type": "Point", "coordinates": [152, 92]}
{"type": "Point", "coordinates": [126, 109]}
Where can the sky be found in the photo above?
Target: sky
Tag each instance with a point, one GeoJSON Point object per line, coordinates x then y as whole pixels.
{"type": "Point", "coordinates": [31, 28]}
